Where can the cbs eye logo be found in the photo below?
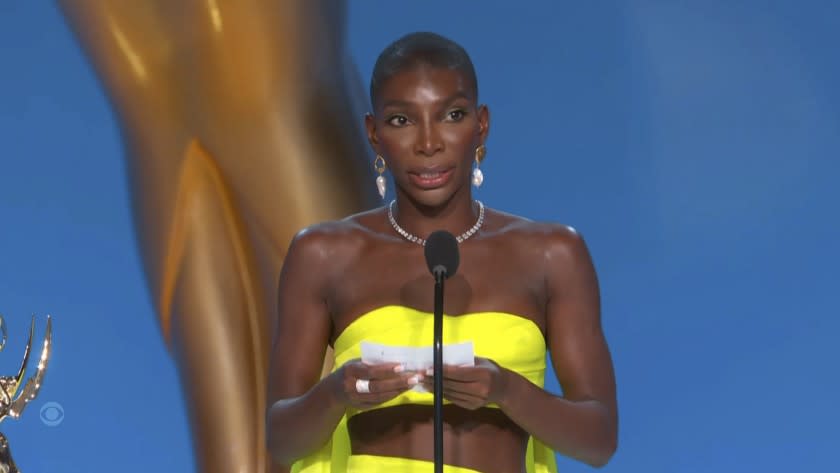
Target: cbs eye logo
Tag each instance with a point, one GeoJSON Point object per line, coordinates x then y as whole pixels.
{"type": "Point", "coordinates": [52, 414]}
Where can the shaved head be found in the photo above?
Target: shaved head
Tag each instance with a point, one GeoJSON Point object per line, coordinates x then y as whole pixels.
{"type": "Point", "coordinates": [421, 49]}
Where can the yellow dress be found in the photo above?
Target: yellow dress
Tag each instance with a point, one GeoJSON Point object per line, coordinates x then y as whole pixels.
{"type": "Point", "coordinates": [513, 342]}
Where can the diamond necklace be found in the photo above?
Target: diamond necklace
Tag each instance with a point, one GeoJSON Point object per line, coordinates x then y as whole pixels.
{"type": "Point", "coordinates": [420, 241]}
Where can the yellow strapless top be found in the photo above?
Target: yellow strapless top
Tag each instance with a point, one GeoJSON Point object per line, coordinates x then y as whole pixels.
{"type": "Point", "coordinates": [512, 341]}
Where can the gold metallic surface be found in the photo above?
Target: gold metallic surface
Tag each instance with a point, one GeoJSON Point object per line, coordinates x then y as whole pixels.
{"type": "Point", "coordinates": [242, 123]}
{"type": "Point", "coordinates": [12, 405]}
{"type": "Point", "coordinates": [480, 153]}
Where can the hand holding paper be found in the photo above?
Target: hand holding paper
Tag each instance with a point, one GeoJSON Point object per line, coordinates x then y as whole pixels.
{"type": "Point", "coordinates": [417, 359]}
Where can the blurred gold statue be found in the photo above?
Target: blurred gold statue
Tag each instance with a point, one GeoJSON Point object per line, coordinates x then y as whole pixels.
{"type": "Point", "coordinates": [242, 123]}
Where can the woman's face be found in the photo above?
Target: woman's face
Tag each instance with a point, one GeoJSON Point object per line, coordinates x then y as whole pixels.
{"type": "Point", "coordinates": [427, 125]}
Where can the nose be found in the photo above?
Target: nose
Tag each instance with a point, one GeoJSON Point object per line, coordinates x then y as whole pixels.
{"type": "Point", "coordinates": [429, 140]}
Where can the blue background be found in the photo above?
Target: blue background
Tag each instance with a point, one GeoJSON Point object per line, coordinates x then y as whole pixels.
{"type": "Point", "coordinates": [694, 144]}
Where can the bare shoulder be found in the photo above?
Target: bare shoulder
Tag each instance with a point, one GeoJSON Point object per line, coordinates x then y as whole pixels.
{"type": "Point", "coordinates": [549, 239]}
{"type": "Point", "coordinates": [554, 251]}
{"type": "Point", "coordinates": [333, 241]}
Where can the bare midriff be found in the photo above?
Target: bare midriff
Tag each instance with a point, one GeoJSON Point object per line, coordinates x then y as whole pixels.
{"type": "Point", "coordinates": [485, 440]}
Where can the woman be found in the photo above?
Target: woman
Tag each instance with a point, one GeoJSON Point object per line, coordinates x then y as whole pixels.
{"type": "Point", "coordinates": [522, 288]}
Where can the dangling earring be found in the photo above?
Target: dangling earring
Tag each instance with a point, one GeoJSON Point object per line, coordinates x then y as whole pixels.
{"type": "Point", "coordinates": [379, 166]}
{"type": "Point", "coordinates": [478, 176]}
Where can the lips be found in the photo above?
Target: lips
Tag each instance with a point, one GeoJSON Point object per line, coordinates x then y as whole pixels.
{"type": "Point", "coordinates": [431, 178]}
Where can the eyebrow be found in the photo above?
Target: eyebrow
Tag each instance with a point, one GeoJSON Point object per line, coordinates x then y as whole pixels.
{"type": "Point", "coordinates": [403, 103]}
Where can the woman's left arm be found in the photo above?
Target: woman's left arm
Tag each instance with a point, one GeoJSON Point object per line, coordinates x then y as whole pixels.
{"type": "Point", "coordinates": [583, 422]}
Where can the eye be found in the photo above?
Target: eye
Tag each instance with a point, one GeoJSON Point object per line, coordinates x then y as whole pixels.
{"type": "Point", "coordinates": [397, 120]}
{"type": "Point", "coordinates": [455, 115]}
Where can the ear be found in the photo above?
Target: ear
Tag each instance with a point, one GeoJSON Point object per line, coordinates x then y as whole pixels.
{"type": "Point", "coordinates": [483, 123]}
{"type": "Point", "coordinates": [370, 126]}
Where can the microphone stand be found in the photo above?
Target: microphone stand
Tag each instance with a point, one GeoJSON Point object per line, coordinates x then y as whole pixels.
{"type": "Point", "coordinates": [440, 275]}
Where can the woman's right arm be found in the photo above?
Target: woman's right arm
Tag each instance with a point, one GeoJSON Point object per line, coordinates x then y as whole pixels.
{"type": "Point", "coordinates": [303, 409]}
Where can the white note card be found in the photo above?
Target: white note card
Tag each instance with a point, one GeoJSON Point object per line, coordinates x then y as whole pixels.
{"type": "Point", "coordinates": [417, 358]}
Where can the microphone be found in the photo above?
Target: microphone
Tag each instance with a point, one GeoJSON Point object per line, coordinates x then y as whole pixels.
{"type": "Point", "coordinates": [442, 255]}
{"type": "Point", "coordinates": [442, 258]}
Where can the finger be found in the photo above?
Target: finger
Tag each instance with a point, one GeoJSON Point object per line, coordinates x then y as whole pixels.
{"type": "Point", "coordinates": [429, 381]}
{"type": "Point", "coordinates": [446, 368]}
{"type": "Point", "coordinates": [478, 390]}
{"type": "Point", "coordinates": [461, 397]}
{"type": "Point", "coordinates": [467, 402]}
{"type": "Point", "coordinates": [466, 395]}
{"type": "Point", "coordinates": [383, 371]}
{"type": "Point", "coordinates": [462, 373]}
{"type": "Point", "coordinates": [397, 384]}
{"type": "Point", "coordinates": [380, 396]}
{"type": "Point", "coordinates": [354, 386]}
{"type": "Point", "coordinates": [458, 381]}
{"type": "Point", "coordinates": [467, 388]}
{"type": "Point", "coordinates": [378, 388]}
{"type": "Point", "coordinates": [459, 373]}
{"type": "Point", "coordinates": [362, 371]}
{"type": "Point", "coordinates": [457, 387]}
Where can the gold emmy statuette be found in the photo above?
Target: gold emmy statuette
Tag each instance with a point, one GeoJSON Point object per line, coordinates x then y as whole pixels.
{"type": "Point", "coordinates": [11, 405]}
{"type": "Point", "coordinates": [241, 123]}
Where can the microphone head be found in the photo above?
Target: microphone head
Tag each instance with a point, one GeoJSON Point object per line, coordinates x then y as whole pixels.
{"type": "Point", "coordinates": [442, 253]}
